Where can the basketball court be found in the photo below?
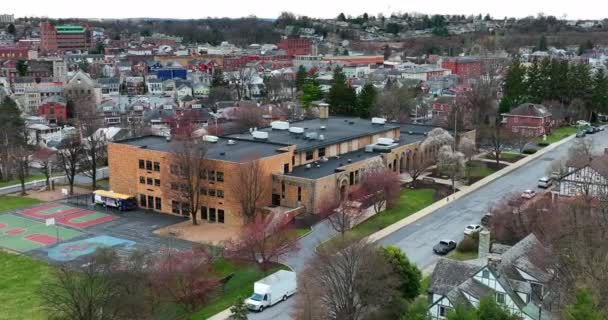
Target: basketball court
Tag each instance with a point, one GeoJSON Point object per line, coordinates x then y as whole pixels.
{"type": "Point", "coordinates": [68, 215]}
{"type": "Point", "coordinates": [23, 235]}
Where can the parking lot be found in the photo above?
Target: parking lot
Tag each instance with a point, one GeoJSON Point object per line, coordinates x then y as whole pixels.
{"type": "Point", "coordinates": [80, 228]}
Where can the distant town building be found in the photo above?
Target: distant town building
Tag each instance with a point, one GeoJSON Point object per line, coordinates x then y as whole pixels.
{"type": "Point", "coordinates": [296, 46]}
{"type": "Point", "coordinates": [465, 68]}
{"type": "Point", "coordinates": [64, 38]}
{"type": "Point", "coordinates": [7, 18]}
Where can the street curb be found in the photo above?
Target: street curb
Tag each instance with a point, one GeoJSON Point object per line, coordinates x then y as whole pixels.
{"type": "Point", "coordinates": [445, 201]}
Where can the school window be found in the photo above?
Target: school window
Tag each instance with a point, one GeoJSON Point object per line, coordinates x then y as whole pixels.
{"type": "Point", "coordinates": [202, 174]}
{"type": "Point", "coordinates": [158, 203]}
{"type": "Point", "coordinates": [148, 165]}
{"type": "Point", "coordinates": [293, 160]}
{"type": "Point", "coordinates": [212, 215]}
{"type": "Point", "coordinates": [150, 181]}
{"type": "Point", "coordinates": [211, 175]}
{"type": "Point", "coordinates": [309, 155]}
{"type": "Point", "coordinates": [142, 200]}
{"type": "Point", "coordinates": [204, 214]}
{"type": "Point", "coordinates": [203, 191]}
{"type": "Point", "coordinates": [142, 180]}
{"type": "Point", "coordinates": [174, 186]}
{"type": "Point", "coordinates": [212, 192]}
{"type": "Point", "coordinates": [151, 202]}
{"type": "Point", "coordinates": [185, 209]}
{"type": "Point", "coordinates": [157, 166]}
{"type": "Point", "coordinates": [219, 176]}
{"type": "Point", "coordinates": [299, 193]}
{"type": "Point", "coordinates": [141, 164]}
{"type": "Point", "coordinates": [321, 152]}
{"type": "Point", "coordinates": [220, 216]}
{"type": "Point", "coordinates": [500, 298]}
{"type": "Point", "coordinates": [220, 193]}
{"type": "Point", "coordinates": [157, 182]}
{"type": "Point", "coordinates": [175, 207]}
{"type": "Point", "coordinates": [283, 190]}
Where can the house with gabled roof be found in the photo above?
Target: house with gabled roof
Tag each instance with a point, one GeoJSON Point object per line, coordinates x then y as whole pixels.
{"type": "Point", "coordinates": [512, 278]}
{"type": "Point", "coordinates": [585, 176]}
{"type": "Point", "coordinates": [529, 119]}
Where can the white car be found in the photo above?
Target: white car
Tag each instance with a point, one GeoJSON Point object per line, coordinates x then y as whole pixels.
{"type": "Point", "coordinates": [471, 229]}
{"type": "Point", "coordinates": [528, 194]}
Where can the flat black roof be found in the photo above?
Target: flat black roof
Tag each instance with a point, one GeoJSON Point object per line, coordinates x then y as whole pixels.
{"type": "Point", "coordinates": [329, 167]}
{"type": "Point", "coordinates": [337, 130]}
{"type": "Point", "coordinates": [239, 152]}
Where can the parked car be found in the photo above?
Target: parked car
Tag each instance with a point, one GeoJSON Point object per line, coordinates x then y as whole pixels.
{"type": "Point", "coordinates": [583, 123]}
{"type": "Point", "coordinates": [486, 219]}
{"type": "Point", "coordinates": [471, 229]}
{"type": "Point", "coordinates": [545, 182]}
{"type": "Point", "coordinates": [580, 134]}
{"type": "Point", "coordinates": [601, 128]}
{"type": "Point", "coordinates": [528, 194]}
{"type": "Point", "coordinates": [270, 290]}
{"type": "Point", "coordinates": [591, 130]}
{"type": "Point", "coordinates": [444, 246]}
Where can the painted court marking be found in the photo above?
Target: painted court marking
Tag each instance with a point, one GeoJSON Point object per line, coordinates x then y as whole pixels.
{"type": "Point", "coordinates": [68, 216]}
{"type": "Point", "coordinates": [15, 231]}
{"type": "Point", "coordinates": [75, 249]}
{"type": "Point", "coordinates": [42, 239]}
{"type": "Point", "coordinates": [22, 234]}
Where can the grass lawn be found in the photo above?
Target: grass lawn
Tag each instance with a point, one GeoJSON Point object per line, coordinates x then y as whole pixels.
{"type": "Point", "coordinates": [479, 169]}
{"type": "Point", "coordinates": [559, 134]}
{"type": "Point", "coordinates": [21, 280]}
{"type": "Point", "coordinates": [410, 201]}
{"type": "Point", "coordinates": [303, 231]}
{"type": "Point", "coordinates": [241, 284]}
{"type": "Point", "coordinates": [36, 176]}
{"type": "Point", "coordinates": [462, 256]}
{"type": "Point", "coordinates": [11, 203]}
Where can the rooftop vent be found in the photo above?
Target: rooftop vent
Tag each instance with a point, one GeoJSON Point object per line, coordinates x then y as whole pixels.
{"type": "Point", "coordinates": [322, 127]}
{"type": "Point", "coordinates": [279, 125]}
{"type": "Point", "coordinates": [144, 147]}
{"type": "Point", "coordinates": [380, 121]}
{"type": "Point", "coordinates": [209, 138]}
{"type": "Point", "coordinates": [296, 130]}
{"type": "Point", "coordinates": [311, 135]}
{"type": "Point", "coordinates": [351, 122]}
{"type": "Point", "coordinates": [308, 166]}
{"type": "Point", "coordinates": [231, 142]}
{"type": "Point", "coordinates": [321, 137]}
{"type": "Point", "coordinates": [385, 141]}
{"type": "Point", "coordinates": [222, 153]}
{"type": "Point", "coordinates": [350, 160]}
{"type": "Point", "coordinates": [262, 135]}
{"type": "Point", "coordinates": [410, 132]}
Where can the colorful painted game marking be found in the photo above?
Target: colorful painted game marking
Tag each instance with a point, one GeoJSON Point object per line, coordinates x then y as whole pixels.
{"type": "Point", "coordinates": [22, 234]}
{"type": "Point", "coordinates": [68, 216]}
{"type": "Point", "coordinates": [75, 249]}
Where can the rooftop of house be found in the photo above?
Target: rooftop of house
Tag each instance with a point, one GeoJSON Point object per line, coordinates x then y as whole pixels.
{"type": "Point", "coordinates": [531, 110]}
{"type": "Point", "coordinates": [597, 163]}
{"type": "Point", "coordinates": [333, 130]}
{"type": "Point", "coordinates": [240, 151]}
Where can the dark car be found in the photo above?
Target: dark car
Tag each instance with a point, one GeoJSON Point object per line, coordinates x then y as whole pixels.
{"type": "Point", "coordinates": [591, 130]}
{"type": "Point", "coordinates": [444, 246]}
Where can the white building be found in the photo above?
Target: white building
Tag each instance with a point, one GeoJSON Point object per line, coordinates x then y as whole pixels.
{"type": "Point", "coordinates": [7, 18]}
{"type": "Point", "coordinates": [587, 177]}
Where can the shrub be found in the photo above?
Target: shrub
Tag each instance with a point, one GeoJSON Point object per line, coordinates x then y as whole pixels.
{"type": "Point", "coordinates": [529, 151]}
{"type": "Point", "coordinates": [543, 143]}
{"type": "Point", "coordinates": [468, 244]}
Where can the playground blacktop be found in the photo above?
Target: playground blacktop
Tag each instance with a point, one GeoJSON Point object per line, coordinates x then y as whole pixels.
{"type": "Point", "coordinates": [64, 233]}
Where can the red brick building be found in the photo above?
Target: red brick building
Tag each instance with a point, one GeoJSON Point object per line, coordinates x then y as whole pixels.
{"type": "Point", "coordinates": [296, 46]}
{"type": "Point", "coordinates": [13, 54]}
{"type": "Point", "coordinates": [465, 67]}
{"type": "Point", "coordinates": [54, 110]}
{"type": "Point", "coordinates": [530, 119]}
{"type": "Point", "coordinates": [64, 38]}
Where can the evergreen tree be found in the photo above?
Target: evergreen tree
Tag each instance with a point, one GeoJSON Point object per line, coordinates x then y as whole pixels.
{"type": "Point", "coordinates": [599, 94]}
{"type": "Point", "coordinates": [341, 17]}
{"type": "Point", "coordinates": [489, 309]}
{"type": "Point", "coordinates": [239, 309]}
{"type": "Point", "coordinates": [514, 86]}
{"type": "Point", "coordinates": [342, 97]}
{"type": "Point", "coordinates": [217, 79]}
{"type": "Point", "coordinates": [300, 78]}
{"type": "Point", "coordinates": [365, 100]}
{"type": "Point", "coordinates": [584, 308]}
{"type": "Point", "coordinates": [462, 312]}
{"type": "Point", "coordinates": [407, 272]}
{"type": "Point", "coordinates": [580, 83]}
{"type": "Point", "coordinates": [310, 92]}
{"type": "Point", "coordinates": [11, 29]}
{"type": "Point", "coordinates": [542, 44]}
{"type": "Point", "coordinates": [534, 83]}
{"type": "Point", "coordinates": [22, 67]}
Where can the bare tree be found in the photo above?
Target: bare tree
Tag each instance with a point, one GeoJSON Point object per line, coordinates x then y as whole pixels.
{"type": "Point", "coordinates": [342, 214]}
{"type": "Point", "coordinates": [249, 116]}
{"type": "Point", "coordinates": [248, 185]}
{"type": "Point", "coordinates": [70, 156]}
{"type": "Point", "coordinates": [395, 103]}
{"type": "Point", "coordinates": [582, 149]}
{"type": "Point", "coordinates": [417, 166]}
{"type": "Point", "coordinates": [264, 240]}
{"type": "Point", "coordinates": [47, 159]}
{"type": "Point", "coordinates": [451, 163]}
{"type": "Point", "coordinates": [345, 280]}
{"type": "Point", "coordinates": [467, 147]}
{"type": "Point", "coordinates": [94, 146]}
{"type": "Point", "coordinates": [20, 154]}
{"type": "Point", "coordinates": [240, 80]}
{"type": "Point", "coordinates": [520, 140]}
{"type": "Point", "coordinates": [186, 167]}
{"type": "Point", "coordinates": [496, 138]}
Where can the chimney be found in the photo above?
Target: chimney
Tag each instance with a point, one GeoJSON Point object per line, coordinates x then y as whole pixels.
{"type": "Point", "coordinates": [323, 111]}
{"type": "Point", "coordinates": [606, 151]}
{"type": "Point", "coordinates": [484, 243]}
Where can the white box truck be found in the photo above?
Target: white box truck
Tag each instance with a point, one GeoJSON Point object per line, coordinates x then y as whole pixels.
{"type": "Point", "coordinates": [272, 289]}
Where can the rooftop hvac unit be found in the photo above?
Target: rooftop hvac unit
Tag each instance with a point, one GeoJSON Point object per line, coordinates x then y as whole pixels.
{"type": "Point", "coordinates": [279, 125]}
{"type": "Point", "coordinates": [378, 120]}
{"type": "Point", "coordinates": [321, 137]}
{"type": "Point", "coordinates": [212, 139]}
{"type": "Point", "coordinates": [296, 130]}
{"type": "Point", "coordinates": [262, 135]}
{"type": "Point", "coordinates": [369, 148]}
{"type": "Point", "coordinates": [308, 166]}
{"type": "Point", "coordinates": [385, 141]}
{"type": "Point", "coordinates": [322, 127]}
{"type": "Point", "coordinates": [311, 135]}
{"type": "Point", "coordinates": [231, 142]}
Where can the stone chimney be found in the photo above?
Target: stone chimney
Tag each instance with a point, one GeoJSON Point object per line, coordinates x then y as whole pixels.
{"type": "Point", "coordinates": [323, 110]}
{"type": "Point", "coordinates": [484, 243]}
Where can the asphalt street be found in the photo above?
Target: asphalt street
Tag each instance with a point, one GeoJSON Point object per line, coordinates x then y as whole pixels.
{"type": "Point", "coordinates": [448, 222]}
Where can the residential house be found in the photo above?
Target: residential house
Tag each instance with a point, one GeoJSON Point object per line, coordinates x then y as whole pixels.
{"type": "Point", "coordinates": [587, 177]}
{"type": "Point", "coordinates": [155, 85]}
{"type": "Point", "coordinates": [135, 85]}
{"type": "Point", "coordinates": [529, 119]}
{"type": "Point", "coordinates": [201, 90]}
{"type": "Point", "coordinates": [182, 91]}
{"type": "Point", "coordinates": [109, 86]}
{"type": "Point", "coordinates": [54, 110]}
{"type": "Point", "coordinates": [512, 278]}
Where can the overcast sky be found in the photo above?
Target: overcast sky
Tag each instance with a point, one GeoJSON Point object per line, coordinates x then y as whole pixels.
{"type": "Point", "coordinates": [581, 9]}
